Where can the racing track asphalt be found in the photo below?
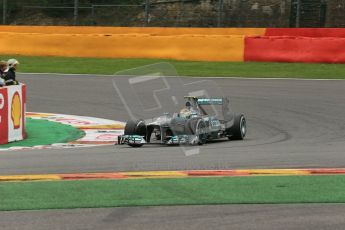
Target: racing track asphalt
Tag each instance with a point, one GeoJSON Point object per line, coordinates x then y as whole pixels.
{"type": "Point", "coordinates": [291, 124]}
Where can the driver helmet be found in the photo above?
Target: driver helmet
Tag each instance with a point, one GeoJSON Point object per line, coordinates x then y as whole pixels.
{"type": "Point", "coordinates": [188, 105]}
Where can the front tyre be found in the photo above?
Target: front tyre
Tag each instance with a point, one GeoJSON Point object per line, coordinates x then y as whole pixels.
{"type": "Point", "coordinates": [137, 127]}
{"type": "Point", "coordinates": [197, 127]}
{"type": "Point", "coordinates": [239, 130]}
{"type": "Point", "coordinates": [201, 132]}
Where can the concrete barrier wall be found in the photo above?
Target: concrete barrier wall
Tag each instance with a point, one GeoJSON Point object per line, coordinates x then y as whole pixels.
{"type": "Point", "coordinates": [203, 44]}
{"type": "Point", "coordinates": [12, 113]}
{"type": "Point", "coordinates": [295, 49]}
{"type": "Point", "coordinates": [179, 47]}
{"type": "Point", "coordinates": [312, 45]}
{"type": "Point", "coordinates": [306, 32]}
{"type": "Point", "coordinates": [199, 44]}
{"type": "Point", "coordinates": [132, 30]}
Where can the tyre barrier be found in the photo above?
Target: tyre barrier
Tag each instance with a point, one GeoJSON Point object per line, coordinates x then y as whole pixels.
{"type": "Point", "coordinates": [12, 113]}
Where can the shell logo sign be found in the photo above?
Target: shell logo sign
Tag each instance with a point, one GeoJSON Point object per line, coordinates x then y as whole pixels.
{"type": "Point", "coordinates": [16, 111]}
{"type": "Point", "coordinates": [2, 101]}
{"type": "Point", "coordinates": [12, 113]}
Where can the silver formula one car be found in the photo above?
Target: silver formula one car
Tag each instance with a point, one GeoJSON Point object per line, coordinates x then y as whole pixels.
{"type": "Point", "coordinates": [193, 125]}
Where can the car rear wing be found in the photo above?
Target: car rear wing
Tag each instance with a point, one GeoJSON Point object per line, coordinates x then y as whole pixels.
{"type": "Point", "coordinates": [225, 115]}
{"type": "Point", "coordinates": [210, 101]}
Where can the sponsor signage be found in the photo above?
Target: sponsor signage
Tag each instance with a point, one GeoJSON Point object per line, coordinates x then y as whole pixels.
{"type": "Point", "coordinates": [15, 113]}
{"type": "Point", "coordinates": [12, 113]}
{"type": "Point", "coordinates": [3, 116]}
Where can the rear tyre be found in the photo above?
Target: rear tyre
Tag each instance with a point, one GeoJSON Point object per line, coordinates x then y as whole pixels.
{"type": "Point", "coordinates": [239, 130]}
{"type": "Point", "coordinates": [137, 127]}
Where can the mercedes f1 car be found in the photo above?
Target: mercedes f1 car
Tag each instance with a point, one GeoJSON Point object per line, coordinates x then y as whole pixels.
{"type": "Point", "coordinates": [193, 125]}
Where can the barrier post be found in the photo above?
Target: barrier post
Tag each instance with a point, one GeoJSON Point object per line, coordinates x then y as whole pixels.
{"type": "Point", "coordinates": [147, 12]}
{"type": "Point", "coordinates": [220, 12]}
{"type": "Point", "coordinates": [298, 13]}
{"type": "Point", "coordinates": [4, 11]}
{"type": "Point", "coordinates": [76, 5]}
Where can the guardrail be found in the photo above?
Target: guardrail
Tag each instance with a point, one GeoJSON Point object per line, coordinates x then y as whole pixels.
{"type": "Point", "coordinates": [12, 113]}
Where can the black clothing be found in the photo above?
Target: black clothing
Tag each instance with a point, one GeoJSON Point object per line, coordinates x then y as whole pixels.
{"type": "Point", "coordinates": [10, 77]}
{"type": "Point", "coordinates": [2, 81]}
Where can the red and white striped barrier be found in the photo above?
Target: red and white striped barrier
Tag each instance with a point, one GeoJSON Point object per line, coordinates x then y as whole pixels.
{"type": "Point", "coordinates": [12, 113]}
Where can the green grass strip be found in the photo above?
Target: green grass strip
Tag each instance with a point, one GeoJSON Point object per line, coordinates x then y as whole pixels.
{"type": "Point", "coordinates": [182, 191]}
{"type": "Point", "coordinates": [184, 68]}
{"type": "Point", "coordinates": [43, 132]}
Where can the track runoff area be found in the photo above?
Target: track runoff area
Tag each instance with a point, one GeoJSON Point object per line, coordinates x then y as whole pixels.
{"type": "Point", "coordinates": [54, 131]}
{"type": "Point", "coordinates": [48, 131]}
